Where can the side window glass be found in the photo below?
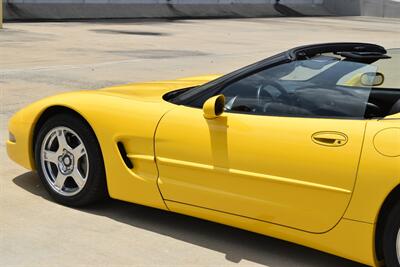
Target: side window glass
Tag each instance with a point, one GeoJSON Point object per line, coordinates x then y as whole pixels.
{"type": "Point", "coordinates": [390, 70]}
{"type": "Point", "coordinates": [315, 87]}
{"type": "Point", "coordinates": [384, 78]}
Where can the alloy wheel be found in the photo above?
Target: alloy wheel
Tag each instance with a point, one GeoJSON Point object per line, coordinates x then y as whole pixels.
{"type": "Point", "coordinates": [64, 161]}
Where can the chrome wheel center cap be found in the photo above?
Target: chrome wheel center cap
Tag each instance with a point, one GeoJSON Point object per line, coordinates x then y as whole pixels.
{"type": "Point", "coordinates": [66, 162]}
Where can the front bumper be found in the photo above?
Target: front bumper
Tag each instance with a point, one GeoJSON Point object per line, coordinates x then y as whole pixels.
{"type": "Point", "coordinates": [20, 149]}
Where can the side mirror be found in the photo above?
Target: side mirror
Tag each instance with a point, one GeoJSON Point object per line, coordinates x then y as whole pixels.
{"type": "Point", "coordinates": [372, 79]}
{"type": "Point", "coordinates": [214, 107]}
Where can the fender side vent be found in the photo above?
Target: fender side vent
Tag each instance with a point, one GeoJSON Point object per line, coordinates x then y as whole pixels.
{"type": "Point", "coordinates": [124, 156]}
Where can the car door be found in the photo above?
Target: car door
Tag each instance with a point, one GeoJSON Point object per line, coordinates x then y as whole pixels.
{"type": "Point", "coordinates": [281, 153]}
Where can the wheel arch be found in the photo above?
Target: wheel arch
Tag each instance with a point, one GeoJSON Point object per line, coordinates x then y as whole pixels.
{"type": "Point", "coordinates": [50, 112]}
{"type": "Point", "coordinates": [391, 200]}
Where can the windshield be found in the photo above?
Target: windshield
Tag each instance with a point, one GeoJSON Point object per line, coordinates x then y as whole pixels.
{"type": "Point", "coordinates": [187, 95]}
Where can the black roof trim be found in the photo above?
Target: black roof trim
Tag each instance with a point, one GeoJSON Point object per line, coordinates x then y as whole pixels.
{"type": "Point", "coordinates": [311, 50]}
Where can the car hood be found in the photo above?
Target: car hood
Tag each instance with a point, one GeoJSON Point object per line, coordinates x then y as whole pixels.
{"type": "Point", "coordinates": [153, 91]}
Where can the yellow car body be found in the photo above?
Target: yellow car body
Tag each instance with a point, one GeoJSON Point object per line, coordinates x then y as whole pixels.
{"type": "Point", "coordinates": [222, 174]}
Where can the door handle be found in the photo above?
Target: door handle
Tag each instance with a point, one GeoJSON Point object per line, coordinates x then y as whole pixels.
{"type": "Point", "coordinates": [329, 138]}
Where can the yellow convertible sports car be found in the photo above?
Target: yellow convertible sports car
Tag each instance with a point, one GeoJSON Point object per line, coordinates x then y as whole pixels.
{"type": "Point", "coordinates": [303, 146]}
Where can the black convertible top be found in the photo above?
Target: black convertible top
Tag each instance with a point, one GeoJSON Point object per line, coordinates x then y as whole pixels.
{"type": "Point", "coordinates": [312, 50]}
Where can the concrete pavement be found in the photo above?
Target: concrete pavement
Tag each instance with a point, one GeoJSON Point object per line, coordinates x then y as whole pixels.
{"type": "Point", "coordinates": [41, 59]}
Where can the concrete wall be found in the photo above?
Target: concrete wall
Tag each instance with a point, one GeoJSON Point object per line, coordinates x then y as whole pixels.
{"type": "Point", "coordinates": [83, 9]}
{"type": "Point", "coordinates": [1, 14]}
{"type": "Point", "coordinates": [376, 8]}
{"type": "Point", "coordinates": [91, 9]}
{"type": "Point", "coordinates": [344, 7]}
{"type": "Point", "coordinates": [381, 8]}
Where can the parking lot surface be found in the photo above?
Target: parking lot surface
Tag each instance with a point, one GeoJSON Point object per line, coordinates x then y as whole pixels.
{"type": "Point", "coordinates": [42, 59]}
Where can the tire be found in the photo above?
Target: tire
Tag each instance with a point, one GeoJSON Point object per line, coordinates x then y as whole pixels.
{"type": "Point", "coordinates": [391, 238]}
{"type": "Point", "coordinates": [69, 161]}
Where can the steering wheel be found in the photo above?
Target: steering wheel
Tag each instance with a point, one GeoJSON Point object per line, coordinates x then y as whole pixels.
{"type": "Point", "coordinates": [263, 87]}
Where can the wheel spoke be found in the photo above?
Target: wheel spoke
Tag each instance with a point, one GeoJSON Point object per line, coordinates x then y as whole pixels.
{"type": "Point", "coordinates": [79, 151]}
{"type": "Point", "coordinates": [71, 160]}
{"type": "Point", "coordinates": [60, 180]}
{"type": "Point", "coordinates": [77, 176]}
{"type": "Point", "coordinates": [50, 156]}
{"type": "Point", "coordinates": [62, 141]}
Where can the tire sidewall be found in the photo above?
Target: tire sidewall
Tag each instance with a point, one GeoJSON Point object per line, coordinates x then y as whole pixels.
{"type": "Point", "coordinates": [96, 176]}
{"type": "Point", "coordinates": [390, 237]}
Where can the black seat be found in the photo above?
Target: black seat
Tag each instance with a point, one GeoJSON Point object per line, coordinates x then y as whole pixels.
{"type": "Point", "coordinates": [395, 108]}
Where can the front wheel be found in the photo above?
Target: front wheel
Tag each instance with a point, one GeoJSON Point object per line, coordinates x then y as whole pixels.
{"type": "Point", "coordinates": [69, 161]}
{"type": "Point", "coordinates": [391, 238]}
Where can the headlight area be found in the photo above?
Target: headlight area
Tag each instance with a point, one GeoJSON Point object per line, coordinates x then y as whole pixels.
{"type": "Point", "coordinates": [11, 137]}
{"type": "Point", "coordinates": [18, 143]}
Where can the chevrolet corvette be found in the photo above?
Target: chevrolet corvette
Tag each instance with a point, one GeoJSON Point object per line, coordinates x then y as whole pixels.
{"type": "Point", "coordinates": [303, 146]}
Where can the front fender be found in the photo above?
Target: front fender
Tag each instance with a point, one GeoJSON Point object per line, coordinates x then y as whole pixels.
{"type": "Point", "coordinates": [113, 118]}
